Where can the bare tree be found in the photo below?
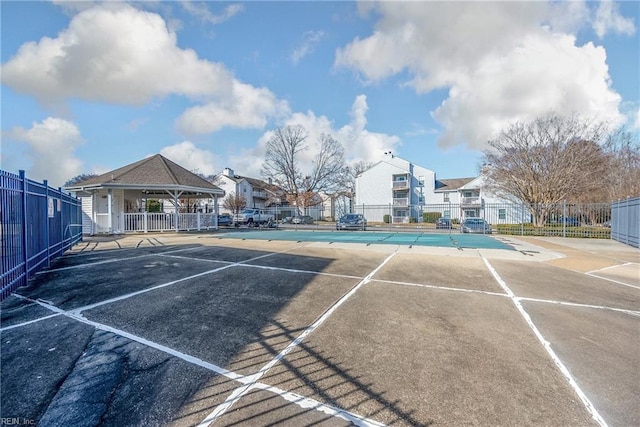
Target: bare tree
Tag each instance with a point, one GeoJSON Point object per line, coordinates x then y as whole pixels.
{"type": "Point", "coordinates": [283, 164]}
{"type": "Point", "coordinates": [234, 202]}
{"type": "Point", "coordinates": [350, 175]}
{"type": "Point", "coordinates": [624, 170]}
{"type": "Point", "coordinates": [547, 160]}
{"type": "Point", "coordinates": [79, 178]}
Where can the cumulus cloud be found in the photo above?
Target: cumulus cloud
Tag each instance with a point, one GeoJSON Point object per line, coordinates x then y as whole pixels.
{"type": "Point", "coordinates": [358, 142]}
{"type": "Point", "coordinates": [608, 19]}
{"type": "Point", "coordinates": [244, 106]}
{"type": "Point", "coordinates": [309, 41]}
{"type": "Point", "coordinates": [190, 157]}
{"type": "Point", "coordinates": [118, 54]}
{"type": "Point", "coordinates": [113, 53]}
{"type": "Point", "coordinates": [501, 61]}
{"type": "Point", "coordinates": [50, 148]}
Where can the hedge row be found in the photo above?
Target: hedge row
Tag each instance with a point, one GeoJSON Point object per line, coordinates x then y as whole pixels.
{"type": "Point", "coordinates": [556, 230]}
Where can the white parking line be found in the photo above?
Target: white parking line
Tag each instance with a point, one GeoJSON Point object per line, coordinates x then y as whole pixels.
{"type": "Point", "coordinates": [306, 403]}
{"type": "Point", "coordinates": [241, 391]}
{"type": "Point", "coordinates": [547, 346]}
{"type": "Point", "coordinates": [443, 288]}
{"type": "Point", "coordinates": [612, 280]}
{"type": "Point", "coordinates": [573, 304]}
{"type": "Point", "coordinates": [248, 382]}
{"type": "Point", "coordinates": [610, 267]}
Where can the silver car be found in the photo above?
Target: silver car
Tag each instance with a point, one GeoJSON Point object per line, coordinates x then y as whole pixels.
{"type": "Point", "coordinates": [475, 225]}
{"type": "Point", "coordinates": [352, 222]}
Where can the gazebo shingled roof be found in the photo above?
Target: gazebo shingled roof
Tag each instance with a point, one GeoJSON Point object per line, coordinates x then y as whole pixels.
{"type": "Point", "coordinates": [154, 175]}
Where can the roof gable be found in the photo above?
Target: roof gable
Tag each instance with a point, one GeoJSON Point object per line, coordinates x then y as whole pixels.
{"type": "Point", "coordinates": [156, 170]}
{"type": "Point", "coordinates": [452, 184]}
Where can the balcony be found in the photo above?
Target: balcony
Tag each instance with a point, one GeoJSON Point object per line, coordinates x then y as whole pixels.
{"type": "Point", "coordinates": [397, 185]}
{"type": "Point", "coordinates": [401, 201]}
{"type": "Point", "coordinates": [471, 201]}
{"type": "Point", "coordinates": [260, 195]}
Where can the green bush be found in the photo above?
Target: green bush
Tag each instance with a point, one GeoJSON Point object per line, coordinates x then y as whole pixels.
{"type": "Point", "coordinates": [386, 219]}
{"type": "Point", "coordinates": [431, 216]}
{"type": "Point", "coordinates": [531, 230]}
{"type": "Point", "coordinates": [412, 220]}
{"type": "Point", "coordinates": [154, 205]}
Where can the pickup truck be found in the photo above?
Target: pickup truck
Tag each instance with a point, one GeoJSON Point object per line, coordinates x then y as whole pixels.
{"type": "Point", "coordinates": [253, 217]}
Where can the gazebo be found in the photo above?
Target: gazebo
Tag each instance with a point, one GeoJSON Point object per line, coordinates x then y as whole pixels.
{"type": "Point", "coordinates": [116, 202]}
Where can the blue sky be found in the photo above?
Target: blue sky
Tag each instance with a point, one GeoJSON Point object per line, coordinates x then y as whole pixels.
{"type": "Point", "coordinates": [91, 86]}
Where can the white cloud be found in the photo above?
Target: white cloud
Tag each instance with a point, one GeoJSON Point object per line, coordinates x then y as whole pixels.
{"type": "Point", "coordinates": [201, 10]}
{"type": "Point", "coordinates": [51, 145]}
{"type": "Point", "coordinates": [244, 106]}
{"type": "Point", "coordinates": [309, 41]}
{"type": "Point", "coordinates": [501, 61]}
{"type": "Point", "coordinates": [118, 54]}
{"type": "Point", "coordinates": [607, 18]}
{"type": "Point", "coordinates": [190, 157]}
{"type": "Point", "coordinates": [113, 53]}
{"type": "Point", "coordinates": [359, 143]}
{"type": "Point", "coordinates": [479, 106]}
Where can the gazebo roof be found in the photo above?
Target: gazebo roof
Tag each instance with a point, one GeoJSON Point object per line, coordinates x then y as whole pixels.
{"type": "Point", "coordinates": [153, 175]}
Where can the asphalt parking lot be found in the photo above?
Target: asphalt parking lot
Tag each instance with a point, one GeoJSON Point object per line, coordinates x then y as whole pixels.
{"type": "Point", "coordinates": [201, 329]}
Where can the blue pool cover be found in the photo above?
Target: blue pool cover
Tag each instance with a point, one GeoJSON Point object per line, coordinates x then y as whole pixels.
{"type": "Point", "coordinates": [455, 240]}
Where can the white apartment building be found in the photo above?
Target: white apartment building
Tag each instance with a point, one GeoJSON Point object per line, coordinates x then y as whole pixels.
{"type": "Point", "coordinates": [404, 191]}
{"type": "Point", "coordinates": [394, 187]}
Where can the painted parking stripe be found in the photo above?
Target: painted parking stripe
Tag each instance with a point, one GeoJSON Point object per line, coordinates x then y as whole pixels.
{"type": "Point", "coordinates": [444, 288]}
{"type": "Point", "coordinates": [241, 391]}
{"type": "Point", "coordinates": [307, 403]}
{"type": "Point", "coordinates": [547, 346]}
{"type": "Point", "coordinates": [251, 381]}
{"type": "Point", "coordinates": [573, 304]}
{"type": "Point", "coordinates": [612, 280]}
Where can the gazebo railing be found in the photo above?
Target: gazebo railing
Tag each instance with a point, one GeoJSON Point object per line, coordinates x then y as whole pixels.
{"type": "Point", "coordinates": [145, 221]}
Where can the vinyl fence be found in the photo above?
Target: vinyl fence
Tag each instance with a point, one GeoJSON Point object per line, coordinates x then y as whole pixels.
{"type": "Point", "coordinates": [625, 221]}
{"type": "Point", "coordinates": [37, 224]}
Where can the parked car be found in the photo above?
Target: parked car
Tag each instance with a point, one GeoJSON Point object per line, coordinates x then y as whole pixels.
{"type": "Point", "coordinates": [305, 219]}
{"type": "Point", "coordinates": [443, 223]}
{"type": "Point", "coordinates": [224, 219]}
{"type": "Point", "coordinates": [352, 222]}
{"type": "Point", "coordinates": [253, 217]}
{"type": "Point", "coordinates": [475, 225]}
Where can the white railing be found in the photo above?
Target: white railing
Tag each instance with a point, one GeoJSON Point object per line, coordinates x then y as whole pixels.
{"type": "Point", "coordinates": [401, 201]}
{"type": "Point", "coordinates": [260, 194]}
{"type": "Point", "coordinates": [400, 219]}
{"type": "Point", "coordinates": [400, 184]}
{"type": "Point", "coordinates": [145, 221]}
{"type": "Point", "coordinates": [470, 200]}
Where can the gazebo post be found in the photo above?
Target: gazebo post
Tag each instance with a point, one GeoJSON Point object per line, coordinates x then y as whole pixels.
{"type": "Point", "coordinates": [215, 210]}
{"type": "Point", "coordinates": [109, 211]}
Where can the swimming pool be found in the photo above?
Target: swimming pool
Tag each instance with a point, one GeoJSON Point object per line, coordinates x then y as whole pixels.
{"type": "Point", "coordinates": [454, 240]}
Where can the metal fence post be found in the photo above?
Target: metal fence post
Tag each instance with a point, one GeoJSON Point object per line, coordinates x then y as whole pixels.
{"type": "Point", "coordinates": [564, 218]}
{"type": "Point", "coordinates": [46, 222]}
{"type": "Point", "coordinates": [25, 240]}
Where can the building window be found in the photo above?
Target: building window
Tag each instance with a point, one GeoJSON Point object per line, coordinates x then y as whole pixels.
{"type": "Point", "coordinates": [446, 214]}
{"type": "Point", "coordinates": [502, 214]}
{"type": "Point", "coordinates": [446, 197]}
{"type": "Point", "coordinates": [421, 181]}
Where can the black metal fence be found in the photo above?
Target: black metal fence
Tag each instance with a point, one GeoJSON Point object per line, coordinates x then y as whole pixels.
{"type": "Point", "coordinates": [564, 219]}
{"type": "Point", "coordinates": [37, 224]}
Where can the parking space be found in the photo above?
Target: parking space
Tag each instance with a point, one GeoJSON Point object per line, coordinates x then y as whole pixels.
{"type": "Point", "coordinates": [197, 329]}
